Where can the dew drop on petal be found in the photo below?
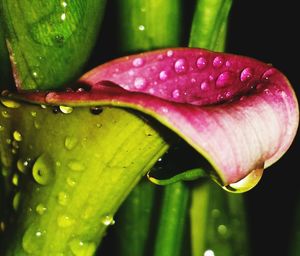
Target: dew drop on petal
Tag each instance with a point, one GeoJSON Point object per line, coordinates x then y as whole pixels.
{"type": "Point", "coordinates": [163, 75]}
{"type": "Point", "coordinates": [246, 74]}
{"type": "Point", "coordinates": [247, 183]}
{"type": "Point", "coordinates": [204, 86]}
{"type": "Point", "coordinates": [224, 79]}
{"type": "Point", "coordinates": [201, 63]}
{"type": "Point", "coordinates": [266, 75]}
{"type": "Point", "coordinates": [218, 62]}
{"type": "Point", "coordinates": [62, 198]}
{"type": "Point", "coordinates": [170, 53]}
{"type": "Point", "coordinates": [176, 94]}
{"type": "Point", "coordinates": [140, 83]}
{"type": "Point", "coordinates": [181, 66]}
{"type": "Point", "coordinates": [138, 62]}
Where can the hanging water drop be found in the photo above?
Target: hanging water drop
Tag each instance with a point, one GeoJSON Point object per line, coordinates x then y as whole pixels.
{"type": "Point", "coordinates": [181, 66]}
{"type": "Point", "coordinates": [247, 183]}
{"type": "Point", "coordinates": [43, 170]}
{"type": "Point", "coordinates": [66, 109]}
{"type": "Point", "coordinates": [10, 103]}
{"type": "Point", "coordinates": [209, 252]}
{"type": "Point", "coordinates": [97, 110]}
{"type": "Point", "coordinates": [266, 75]}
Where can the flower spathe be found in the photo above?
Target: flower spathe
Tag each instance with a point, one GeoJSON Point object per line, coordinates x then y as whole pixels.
{"type": "Point", "coordinates": [239, 113]}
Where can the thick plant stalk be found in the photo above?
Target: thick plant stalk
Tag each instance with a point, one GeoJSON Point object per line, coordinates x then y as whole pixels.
{"type": "Point", "coordinates": [45, 39]}
{"type": "Point", "coordinates": [71, 178]}
{"type": "Point", "coordinates": [149, 24]}
{"type": "Point", "coordinates": [216, 227]}
{"type": "Point", "coordinates": [138, 31]}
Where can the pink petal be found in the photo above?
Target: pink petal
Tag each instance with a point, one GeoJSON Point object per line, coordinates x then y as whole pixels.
{"type": "Point", "coordinates": [236, 134]}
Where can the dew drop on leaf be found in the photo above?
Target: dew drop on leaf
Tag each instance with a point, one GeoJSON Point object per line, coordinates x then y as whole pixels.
{"type": "Point", "coordinates": [43, 170]}
{"type": "Point", "coordinates": [40, 209]}
{"type": "Point", "coordinates": [78, 247]}
{"type": "Point", "coordinates": [107, 220]}
{"type": "Point", "coordinates": [66, 109]}
{"type": "Point", "coordinates": [10, 103]}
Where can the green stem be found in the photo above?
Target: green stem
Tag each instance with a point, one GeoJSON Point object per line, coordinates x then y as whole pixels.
{"type": "Point", "coordinates": [172, 221]}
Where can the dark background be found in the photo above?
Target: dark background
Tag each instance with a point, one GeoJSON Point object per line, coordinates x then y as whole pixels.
{"type": "Point", "coordinates": [269, 31]}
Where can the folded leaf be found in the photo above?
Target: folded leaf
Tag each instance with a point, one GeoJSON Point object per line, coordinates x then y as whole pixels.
{"type": "Point", "coordinates": [239, 113]}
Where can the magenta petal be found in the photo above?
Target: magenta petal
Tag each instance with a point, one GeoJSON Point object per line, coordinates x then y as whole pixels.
{"type": "Point", "coordinates": [237, 136]}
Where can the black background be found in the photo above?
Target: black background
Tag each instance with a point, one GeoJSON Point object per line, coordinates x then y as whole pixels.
{"type": "Point", "coordinates": [269, 31]}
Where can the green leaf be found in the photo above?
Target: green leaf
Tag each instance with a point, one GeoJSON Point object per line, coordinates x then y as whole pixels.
{"type": "Point", "coordinates": [46, 48]}
{"type": "Point", "coordinates": [68, 178]}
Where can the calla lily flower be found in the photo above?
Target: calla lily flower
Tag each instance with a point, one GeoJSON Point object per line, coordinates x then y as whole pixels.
{"type": "Point", "coordinates": [241, 114]}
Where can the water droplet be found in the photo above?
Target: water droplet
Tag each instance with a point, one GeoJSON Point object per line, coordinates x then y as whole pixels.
{"type": "Point", "coordinates": [10, 103]}
{"type": "Point", "coordinates": [36, 124]}
{"type": "Point", "coordinates": [59, 39]}
{"type": "Point", "coordinates": [79, 248]}
{"type": "Point", "coordinates": [70, 142]}
{"type": "Point", "coordinates": [215, 213]}
{"type": "Point", "coordinates": [33, 113]}
{"type": "Point", "coordinates": [164, 109]}
{"type": "Point", "coordinates": [42, 170]}
{"type": "Point", "coordinates": [65, 221]}
{"type": "Point", "coordinates": [40, 209]}
{"type": "Point", "coordinates": [5, 114]}
{"type": "Point", "coordinates": [204, 86]}
{"type": "Point", "coordinates": [227, 63]}
{"type": "Point", "coordinates": [181, 66]}
{"type": "Point", "coordinates": [33, 240]}
{"type": "Point", "coordinates": [246, 74]}
{"type": "Point", "coordinates": [2, 226]}
{"type": "Point", "coordinates": [76, 166]}
{"type": "Point", "coordinates": [2, 128]}
{"type": "Point", "coordinates": [139, 83]}
{"type": "Point", "coordinates": [71, 182]}
{"type": "Point", "coordinates": [266, 75]}
{"type": "Point", "coordinates": [176, 94]}
{"type": "Point", "coordinates": [209, 252]}
{"type": "Point", "coordinates": [62, 198]}
{"type": "Point", "coordinates": [222, 230]}
{"type": "Point", "coordinates": [108, 220]}
{"type": "Point", "coordinates": [16, 201]}
{"type": "Point", "coordinates": [247, 183]}
{"type": "Point", "coordinates": [138, 62]}
{"type": "Point", "coordinates": [17, 136]}
{"type": "Point", "coordinates": [201, 63]}
{"type": "Point", "coordinates": [63, 16]}
{"type": "Point", "coordinates": [96, 110]}
{"type": "Point", "coordinates": [15, 179]}
{"type": "Point", "coordinates": [170, 53]}
{"type": "Point", "coordinates": [22, 165]}
{"type": "Point", "coordinates": [66, 109]}
{"type": "Point", "coordinates": [163, 75]}
{"type": "Point", "coordinates": [224, 79]}
{"type": "Point", "coordinates": [218, 62]}
{"type": "Point", "coordinates": [43, 106]}
{"type": "Point", "coordinates": [141, 27]}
